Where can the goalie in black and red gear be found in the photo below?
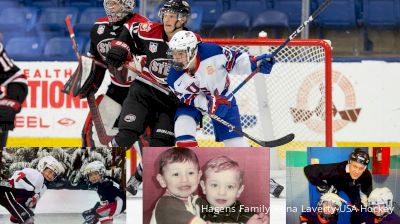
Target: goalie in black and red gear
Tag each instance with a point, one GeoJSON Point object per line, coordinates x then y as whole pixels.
{"type": "Point", "coordinates": [13, 91]}
{"type": "Point", "coordinates": [112, 199]}
{"type": "Point", "coordinates": [93, 68]}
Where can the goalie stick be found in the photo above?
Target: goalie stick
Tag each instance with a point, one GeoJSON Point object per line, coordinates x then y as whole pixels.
{"type": "Point", "coordinates": [70, 87]}
{"type": "Point", "coordinates": [316, 13]}
{"type": "Point", "coordinates": [274, 143]}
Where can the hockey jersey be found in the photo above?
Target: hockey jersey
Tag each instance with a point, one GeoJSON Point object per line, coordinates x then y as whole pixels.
{"type": "Point", "coordinates": [109, 189]}
{"type": "Point", "coordinates": [101, 35]}
{"type": "Point", "coordinates": [211, 76]}
{"type": "Point", "coordinates": [369, 218]}
{"type": "Point", "coordinates": [9, 72]}
{"type": "Point", "coordinates": [313, 218]}
{"type": "Point", "coordinates": [27, 182]}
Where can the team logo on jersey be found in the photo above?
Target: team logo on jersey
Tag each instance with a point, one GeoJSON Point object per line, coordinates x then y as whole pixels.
{"type": "Point", "coordinates": [130, 118]}
{"type": "Point", "coordinates": [144, 27]}
{"type": "Point", "coordinates": [100, 29]}
{"type": "Point", "coordinates": [210, 70]}
{"type": "Point", "coordinates": [153, 47]}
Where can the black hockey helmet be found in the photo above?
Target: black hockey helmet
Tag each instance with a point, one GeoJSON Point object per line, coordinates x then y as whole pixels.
{"type": "Point", "coordinates": [181, 7]}
{"type": "Point", "coordinates": [360, 156]}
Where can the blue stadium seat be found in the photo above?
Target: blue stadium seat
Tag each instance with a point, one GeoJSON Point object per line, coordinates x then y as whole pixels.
{"type": "Point", "coordinates": [9, 4]}
{"type": "Point", "coordinates": [292, 8]}
{"type": "Point", "coordinates": [60, 49]}
{"type": "Point", "coordinates": [212, 10]}
{"type": "Point", "coordinates": [251, 7]}
{"type": "Point", "coordinates": [381, 13]}
{"type": "Point", "coordinates": [24, 48]}
{"type": "Point", "coordinates": [88, 18]}
{"type": "Point", "coordinates": [236, 22]}
{"type": "Point", "coordinates": [54, 18]}
{"type": "Point", "coordinates": [43, 3]}
{"type": "Point", "coordinates": [80, 4]}
{"type": "Point", "coordinates": [196, 18]}
{"type": "Point", "coordinates": [271, 20]}
{"type": "Point", "coordinates": [18, 19]}
{"type": "Point", "coordinates": [340, 14]}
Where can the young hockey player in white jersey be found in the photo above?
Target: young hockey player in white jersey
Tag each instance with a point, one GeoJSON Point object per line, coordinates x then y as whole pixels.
{"type": "Point", "coordinates": [22, 191]}
{"type": "Point", "coordinates": [112, 199]}
{"type": "Point", "coordinates": [199, 77]}
{"type": "Point", "coordinates": [13, 91]}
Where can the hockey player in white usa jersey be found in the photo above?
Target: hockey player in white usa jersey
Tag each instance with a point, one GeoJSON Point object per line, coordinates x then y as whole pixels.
{"type": "Point", "coordinates": [200, 78]}
{"type": "Point", "coordinates": [20, 193]}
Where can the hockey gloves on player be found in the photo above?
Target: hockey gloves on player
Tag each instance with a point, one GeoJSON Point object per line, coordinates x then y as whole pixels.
{"type": "Point", "coordinates": [8, 109]}
{"type": "Point", "coordinates": [264, 61]}
{"type": "Point", "coordinates": [118, 54]}
{"type": "Point", "coordinates": [31, 202]}
{"type": "Point", "coordinates": [218, 105]}
{"type": "Point", "coordinates": [90, 216]}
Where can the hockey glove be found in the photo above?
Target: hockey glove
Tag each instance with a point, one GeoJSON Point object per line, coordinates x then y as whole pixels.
{"type": "Point", "coordinates": [118, 54]}
{"type": "Point", "coordinates": [8, 109]}
{"type": "Point", "coordinates": [218, 105]}
{"type": "Point", "coordinates": [264, 61]}
{"type": "Point", "coordinates": [90, 216]}
{"type": "Point", "coordinates": [31, 202]}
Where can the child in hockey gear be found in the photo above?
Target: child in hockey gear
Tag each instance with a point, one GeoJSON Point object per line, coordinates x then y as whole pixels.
{"type": "Point", "coordinates": [222, 186]}
{"type": "Point", "coordinates": [199, 77]}
{"type": "Point", "coordinates": [380, 208]}
{"type": "Point", "coordinates": [93, 68]}
{"type": "Point", "coordinates": [145, 104]}
{"type": "Point", "coordinates": [327, 211]}
{"type": "Point", "coordinates": [112, 199]}
{"type": "Point", "coordinates": [274, 188]}
{"type": "Point", "coordinates": [12, 79]}
{"type": "Point", "coordinates": [351, 177]}
{"type": "Point", "coordinates": [22, 191]}
{"type": "Point", "coordinates": [179, 173]}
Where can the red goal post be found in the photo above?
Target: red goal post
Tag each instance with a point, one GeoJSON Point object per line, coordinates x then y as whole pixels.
{"type": "Point", "coordinates": [296, 97]}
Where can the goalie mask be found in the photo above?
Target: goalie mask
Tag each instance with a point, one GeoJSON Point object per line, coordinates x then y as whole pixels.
{"type": "Point", "coordinates": [380, 201]}
{"type": "Point", "coordinates": [95, 166]}
{"type": "Point", "coordinates": [360, 156]}
{"type": "Point", "coordinates": [328, 206]}
{"type": "Point", "coordinates": [52, 164]}
{"type": "Point", "coordinates": [183, 49]}
{"type": "Point", "coordinates": [179, 7]}
{"type": "Point", "coordinates": [116, 10]}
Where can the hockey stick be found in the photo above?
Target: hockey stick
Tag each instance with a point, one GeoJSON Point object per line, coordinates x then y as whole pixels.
{"type": "Point", "coordinates": [316, 13]}
{"type": "Point", "coordinates": [96, 117]}
{"type": "Point", "coordinates": [274, 143]}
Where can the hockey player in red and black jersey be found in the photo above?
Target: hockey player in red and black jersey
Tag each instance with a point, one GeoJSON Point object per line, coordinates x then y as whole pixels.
{"type": "Point", "coordinates": [13, 91]}
{"type": "Point", "coordinates": [112, 199]}
{"type": "Point", "coordinates": [103, 32]}
{"type": "Point", "coordinates": [146, 106]}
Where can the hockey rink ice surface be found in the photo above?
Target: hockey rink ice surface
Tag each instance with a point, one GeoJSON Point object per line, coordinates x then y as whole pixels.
{"type": "Point", "coordinates": [63, 207]}
{"type": "Point", "coordinates": [277, 213]}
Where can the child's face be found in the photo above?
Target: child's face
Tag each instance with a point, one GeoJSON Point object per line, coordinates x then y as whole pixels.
{"type": "Point", "coordinates": [49, 174]}
{"type": "Point", "coordinates": [94, 177]}
{"type": "Point", "coordinates": [181, 179]}
{"type": "Point", "coordinates": [222, 188]}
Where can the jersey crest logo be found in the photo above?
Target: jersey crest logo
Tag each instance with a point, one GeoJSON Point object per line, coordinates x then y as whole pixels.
{"type": "Point", "coordinates": [153, 47]}
{"type": "Point", "coordinates": [145, 27]}
{"type": "Point", "coordinates": [100, 29]}
{"type": "Point", "coordinates": [210, 70]}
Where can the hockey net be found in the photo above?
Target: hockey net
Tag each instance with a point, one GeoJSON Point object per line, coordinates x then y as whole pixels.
{"type": "Point", "coordinates": [292, 99]}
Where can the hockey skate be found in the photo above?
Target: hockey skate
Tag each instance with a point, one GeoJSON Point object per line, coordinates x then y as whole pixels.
{"type": "Point", "coordinates": [133, 185]}
{"type": "Point", "coordinates": [275, 189]}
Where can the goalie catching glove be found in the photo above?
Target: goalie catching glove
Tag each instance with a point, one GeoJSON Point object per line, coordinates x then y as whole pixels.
{"type": "Point", "coordinates": [265, 62]}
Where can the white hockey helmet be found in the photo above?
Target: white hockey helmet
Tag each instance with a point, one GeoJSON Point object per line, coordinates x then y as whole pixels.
{"type": "Point", "coordinates": [334, 201]}
{"type": "Point", "coordinates": [381, 196]}
{"type": "Point", "coordinates": [183, 42]}
{"type": "Point", "coordinates": [95, 166]}
{"type": "Point", "coordinates": [125, 8]}
{"type": "Point", "coordinates": [51, 163]}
